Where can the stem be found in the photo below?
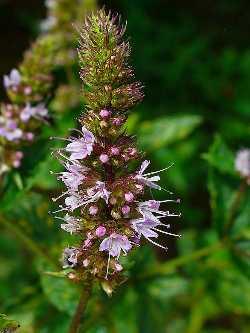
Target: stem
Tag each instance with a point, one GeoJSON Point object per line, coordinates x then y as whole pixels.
{"type": "Point", "coordinates": [27, 241]}
{"type": "Point", "coordinates": [235, 205]}
{"type": "Point", "coordinates": [173, 264]}
{"type": "Point", "coordinates": [81, 307]}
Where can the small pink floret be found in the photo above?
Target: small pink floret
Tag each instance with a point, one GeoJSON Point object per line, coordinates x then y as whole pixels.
{"type": "Point", "coordinates": [104, 158]}
{"type": "Point", "coordinates": [100, 231]}
{"type": "Point", "coordinates": [129, 196]}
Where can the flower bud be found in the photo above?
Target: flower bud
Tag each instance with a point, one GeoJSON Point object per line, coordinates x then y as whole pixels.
{"type": "Point", "coordinates": [104, 158]}
{"type": "Point", "coordinates": [125, 210]}
{"type": "Point", "coordinates": [93, 210]}
{"type": "Point", "coordinates": [115, 151]}
{"type": "Point", "coordinates": [85, 262]}
{"type": "Point", "coordinates": [100, 231]}
{"type": "Point", "coordinates": [129, 196]}
{"type": "Point", "coordinates": [104, 113]}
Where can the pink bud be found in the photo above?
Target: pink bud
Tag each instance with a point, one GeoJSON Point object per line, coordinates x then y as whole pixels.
{"type": "Point", "coordinates": [117, 121]}
{"type": "Point", "coordinates": [27, 90]}
{"type": "Point", "coordinates": [19, 154]}
{"type": "Point", "coordinates": [132, 151]}
{"type": "Point", "coordinates": [129, 196]}
{"type": "Point", "coordinates": [100, 231]}
{"type": "Point", "coordinates": [29, 136]}
{"type": "Point", "coordinates": [118, 267]}
{"type": "Point", "coordinates": [85, 262]}
{"type": "Point", "coordinates": [139, 188]}
{"type": "Point", "coordinates": [104, 158]}
{"type": "Point", "coordinates": [104, 113]}
{"type": "Point", "coordinates": [115, 151]}
{"type": "Point", "coordinates": [8, 114]}
{"type": "Point", "coordinates": [125, 209]}
{"type": "Point", "coordinates": [93, 210]}
{"type": "Point", "coordinates": [112, 200]}
{"type": "Point", "coordinates": [16, 163]}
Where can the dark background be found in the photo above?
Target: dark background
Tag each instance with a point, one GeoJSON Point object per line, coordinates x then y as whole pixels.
{"type": "Point", "coordinates": [193, 58]}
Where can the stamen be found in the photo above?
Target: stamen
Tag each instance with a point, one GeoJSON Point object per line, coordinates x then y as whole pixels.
{"type": "Point", "coordinates": [58, 138]}
{"type": "Point", "coordinates": [159, 245]}
{"type": "Point", "coordinates": [154, 172]}
{"type": "Point", "coordinates": [60, 196]}
{"type": "Point", "coordinates": [166, 233]}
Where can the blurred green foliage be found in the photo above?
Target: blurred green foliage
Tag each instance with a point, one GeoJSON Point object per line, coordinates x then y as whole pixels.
{"type": "Point", "coordinates": [196, 70]}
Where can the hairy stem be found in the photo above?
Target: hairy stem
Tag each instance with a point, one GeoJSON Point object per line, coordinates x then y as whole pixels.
{"type": "Point", "coordinates": [78, 315]}
{"type": "Point", "coordinates": [27, 241]}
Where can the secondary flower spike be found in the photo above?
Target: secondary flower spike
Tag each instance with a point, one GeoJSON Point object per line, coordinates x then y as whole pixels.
{"type": "Point", "coordinates": [105, 203]}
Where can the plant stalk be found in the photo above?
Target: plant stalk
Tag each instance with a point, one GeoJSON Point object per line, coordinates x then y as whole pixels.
{"type": "Point", "coordinates": [81, 307]}
{"type": "Point", "coordinates": [235, 205]}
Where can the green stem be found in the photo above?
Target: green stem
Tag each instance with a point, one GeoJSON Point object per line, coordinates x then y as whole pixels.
{"type": "Point", "coordinates": [235, 205]}
{"type": "Point", "coordinates": [173, 264]}
{"type": "Point", "coordinates": [81, 307]}
{"type": "Point", "coordinates": [27, 241]}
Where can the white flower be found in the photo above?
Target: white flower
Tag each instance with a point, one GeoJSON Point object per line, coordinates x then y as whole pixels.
{"type": "Point", "coordinates": [242, 162]}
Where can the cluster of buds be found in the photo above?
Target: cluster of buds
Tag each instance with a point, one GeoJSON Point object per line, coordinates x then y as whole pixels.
{"type": "Point", "coordinates": [18, 120]}
{"type": "Point", "coordinates": [106, 181]}
{"type": "Point", "coordinates": [27, 88]}
{"type": "Point", "coordinates": [61, 16]}
{"type": "Point", "coordinates": [242, 164]}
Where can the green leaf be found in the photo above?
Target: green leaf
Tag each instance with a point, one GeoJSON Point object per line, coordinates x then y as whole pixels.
{"type": "Point", "coordinates": [167, 130]}
{"type": "Point", "coordinates": [8, 325]}
{"type": "Point", "coordinates": [222, 195]}
{"type": "Point", "coordinates": [234, 291]}
{"type": "Point", "coordinates": [220, 156]}
{"type": "Point", "coordinates": [61, 293]}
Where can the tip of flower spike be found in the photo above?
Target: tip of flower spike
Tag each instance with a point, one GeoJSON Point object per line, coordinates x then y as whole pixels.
{"type": "Point", "coordinates": [178, 200]}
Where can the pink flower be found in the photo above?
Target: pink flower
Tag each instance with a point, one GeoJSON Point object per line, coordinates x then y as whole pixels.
{"type": "Point", "coordinates": [72, 224]}
{"type": "Point", "coordinates": [9, 130]}
{"type": "Point", "coordinates": [114, 244]}
{"type": "Point", "coordinates": [12, 80]}
{"type": "Point", "coordinates": [144, 179]}
{"type": "Point", "coordinates": [39, 111]}
{"type": "Point", "coordinates": [80, 148]}
{"type": "Point", "coordinates": [74, 176]}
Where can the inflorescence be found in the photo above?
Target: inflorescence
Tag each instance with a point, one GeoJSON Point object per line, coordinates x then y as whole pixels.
{"type": "Point", "coordinates": [105, 176]}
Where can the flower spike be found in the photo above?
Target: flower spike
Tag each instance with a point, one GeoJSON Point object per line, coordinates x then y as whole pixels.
{"type": "Point", "coordinates": [105, 203]}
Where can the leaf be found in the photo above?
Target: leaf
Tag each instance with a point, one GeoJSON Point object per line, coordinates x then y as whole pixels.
{"type": "Point", "coordinates": [222, 194]}
{"type": "Point", "coordinates": [167, 130]}
{"type": "Point", "coordinates": [8, 325]}
{"type": "Point", "coordinates": [61, 293]}
{"type": "Point", "coordinates": [220, 156]}
{"type": "Point", "coordinates": [234, 291]}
